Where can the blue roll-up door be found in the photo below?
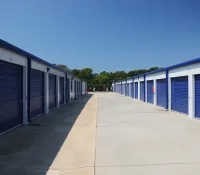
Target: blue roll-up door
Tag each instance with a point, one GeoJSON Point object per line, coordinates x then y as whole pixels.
{"type": "Point", "coordinates": [75, 92]}
{"type": "Point", "coordinates": [52, 91]}
{"type": "Point", "coordinates": [36, 93]}
{"type": "Point", "coordinates": [136, 90]}
{"type": "Point", "coordinates": [161, 93]}
{"type": "Point", "coordinates": [11, 95]}
{"type": "Point", "coordinates": [128, 84]}
{"type": "Point", "coordinates": [61, 90]}
{"type": "Point", "coordinates": [179, 94]}
{"type": "Point", "coordinates": [67, 90]}
{"type": "Point", "coordinates": [127, 87]}
{"type": "Point", "coordinates": [197, 96]}
{"type": "Point", "coordinates": [77, 89]}
{"type": "Point", "coordinates": [150, 91]}
{"type": "Point", "coordinates": [132, 90]}
{"type": "Point", "coordinates": [142, 90]}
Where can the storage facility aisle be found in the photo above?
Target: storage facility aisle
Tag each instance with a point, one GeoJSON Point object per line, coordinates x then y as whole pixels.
{"type": "Point", "coordinates": [104, 134]}
{"type": "Point", "coordinates": [138, 138]}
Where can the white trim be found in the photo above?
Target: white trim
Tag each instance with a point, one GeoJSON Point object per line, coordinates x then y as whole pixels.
{"type": "Point", "coordinates": [169, 94]}
{"type": "Point", "coordinates": [123, 82]}
{"type": "Point", "coordinates": [43, 68]}
{"type": "Point", "coordinates": [191, 96]}
{"type": "Point", "coordinates": [179, 72]}
{"type": "Point", "coordinates": [141, 78]}
{"type": "Point", "coordinates": [129, 80]}
{"type": "Point", "coordinates": [12, 57]}
{"type": "Point", "coordinates": [155, 92]}
{"type": "Point", "coordinates": [38, 66]}
{"type": "Point", "coordinates": [158, 75]}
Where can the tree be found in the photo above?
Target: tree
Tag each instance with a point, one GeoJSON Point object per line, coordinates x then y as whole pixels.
{"type": "Point", "coordinates": [103, 79]}
{"type": "Point", "coordinates": [76, 72]}
{"type": "Point", "coordinates": [62, 66]}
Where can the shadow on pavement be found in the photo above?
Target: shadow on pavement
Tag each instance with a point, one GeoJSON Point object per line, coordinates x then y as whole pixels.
{"type": "Point", "coordinates": [31, 149]}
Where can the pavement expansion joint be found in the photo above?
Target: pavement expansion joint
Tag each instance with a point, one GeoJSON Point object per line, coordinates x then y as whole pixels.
{"type": "Point", "coordinates": [153, 164]}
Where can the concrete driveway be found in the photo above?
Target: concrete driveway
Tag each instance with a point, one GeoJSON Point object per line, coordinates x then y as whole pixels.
{"type": "Point", "coordinates": [138, 138]}
{"type": "Point", "coordinates": [104, 134]}
{"type": "Point", "coordinates": [60, 143]}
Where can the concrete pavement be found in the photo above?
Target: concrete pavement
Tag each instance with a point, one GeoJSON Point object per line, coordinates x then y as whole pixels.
{"type": "Point", "coordinates": [138, 138]}
{"type": "Point", "coordinates": [104, 134]}
{"type": "Point", "coordinates": [60, 143]}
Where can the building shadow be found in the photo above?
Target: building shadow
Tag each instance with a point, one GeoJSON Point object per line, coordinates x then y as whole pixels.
{"type": "Point", "coordinates": [31, 149]}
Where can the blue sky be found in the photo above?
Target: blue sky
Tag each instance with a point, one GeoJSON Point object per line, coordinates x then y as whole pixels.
{"type": "Point", "coordinates": [105, 35]}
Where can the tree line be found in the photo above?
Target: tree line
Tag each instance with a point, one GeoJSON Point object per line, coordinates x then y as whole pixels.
{"type": "Point", "coordinates": [103, 79]}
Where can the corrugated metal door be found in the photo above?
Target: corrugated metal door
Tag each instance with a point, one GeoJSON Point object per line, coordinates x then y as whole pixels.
{"type": "Point", "coordinates": [150, 91]}
{"type": "Point", "coordinates": [52, 91]}
{"type": "Point", "coordinates": [75, 89]}
{"type": "Point", "coordinates": [197, 96]}
{"type": "Point", "coordinates": [36, 93]}
{"type": "Point", "coordinates": [136, 90]}
{"type": "Point", "coordinates": [11, 91]}
{"type": "Point", "coordinates": [67, 90]}
{"type": "Point", "coordinates": [61, 90]}
{"type": "Point", "coordinates": [179, 91]}
{"type": "Point", "coordinates": [132, 90]}
{"type": "Point", "coordinates": [127, 87]}
{"type": "Point", "coordinates": [142, 90]}
{"type": "Point", "coordinates": [161, 93]}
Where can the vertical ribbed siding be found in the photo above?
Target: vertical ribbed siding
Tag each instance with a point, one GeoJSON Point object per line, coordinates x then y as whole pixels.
{"type": "Point", "coordinates": [61, 90]}
{"type": "Point", "coordinates": [161, 93]}
{"type": "Point", "coordinates": [36, 93]}
{"type": "Point", "coordinates": [197, 96]}
{"type": "Point", "coordinates": [179, 94]}
{"type": "Point", "coordinates": [132, 90]}
{"type": "Point", "coordinates": [150, 94]}
{"type": "Point", "coordinates": [67, 90]}
{"type": "Point", "coordinates": [136, 90]}
{"type": "Point", "coordinates": [127, 85]}
{"type": "Point", "coordinates": [11, 88]}
{"type": "Point", "coordinates": [52, 91]}
{"type": "Point", "coordinates": [142, 90]}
